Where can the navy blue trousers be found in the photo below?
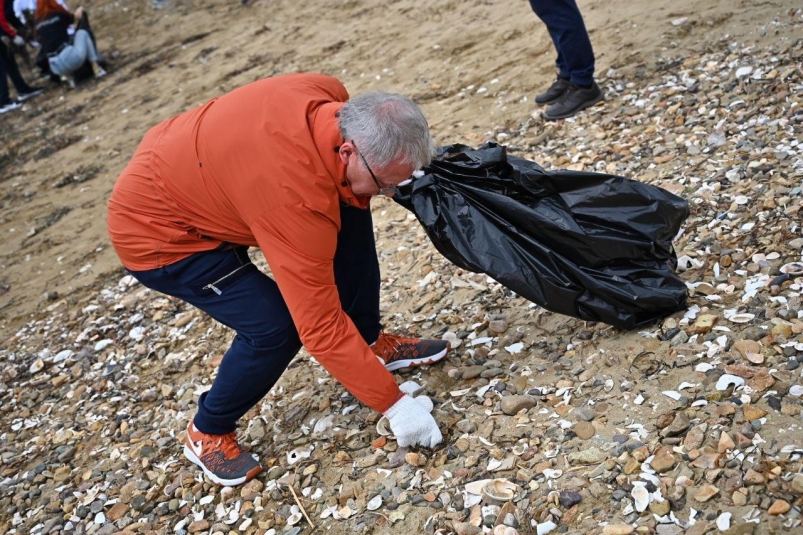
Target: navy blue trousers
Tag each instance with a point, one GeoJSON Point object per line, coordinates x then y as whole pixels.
{"type": "Point", "coordinates": [250, 303]}
{"type": "Point", "coordinates": [565, 25]}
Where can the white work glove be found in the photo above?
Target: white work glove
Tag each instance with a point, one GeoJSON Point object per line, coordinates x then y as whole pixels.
{"type": "Point", "coordinates": [18, 40]}
{"type": "Point", "coordinates": [412, 423]}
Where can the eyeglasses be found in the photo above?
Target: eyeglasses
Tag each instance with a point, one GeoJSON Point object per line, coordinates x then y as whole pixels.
{"type": "Point", "coordinates": [389, 189]}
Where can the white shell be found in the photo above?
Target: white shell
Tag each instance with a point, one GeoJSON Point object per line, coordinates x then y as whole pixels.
{"type": "Point", "coordinates": [727, 380]}
{"type": "Point", "coordinates": [795, 268]}
{"type": "Point", "coordinates": [724, 522]}
{"type": "Point", "coordinates": [383, 427]}
{"type": "Point", "coordinates": [296, 455]}
{"type": "Point", "coordinates": [742, 318]}
{"type": "Point", "coordinates": [374, 503]}
{"type": "Point", "coordinates": [641, 498]}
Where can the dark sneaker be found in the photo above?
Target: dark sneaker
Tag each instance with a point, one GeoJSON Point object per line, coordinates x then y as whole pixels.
{"type": "Point", "coordinates": [575, 99]}
{"type": "Point", "coordinates": [397, 352]}
{"type": "Point", "coordinates": [554, 92]}
{"type": "Point", "coordinates": [8, 106]}
{"type": "Point", "coordinates": [30, 94]}
{"type": "Point", "coordinates": [220, 457]}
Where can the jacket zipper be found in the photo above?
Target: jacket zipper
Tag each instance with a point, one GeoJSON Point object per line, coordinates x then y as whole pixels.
{"type": "Point", "coordinates": [211, 285]}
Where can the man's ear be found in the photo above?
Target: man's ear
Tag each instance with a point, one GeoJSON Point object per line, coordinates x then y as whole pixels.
{"type": "Point", "coordinates": [345, 151]}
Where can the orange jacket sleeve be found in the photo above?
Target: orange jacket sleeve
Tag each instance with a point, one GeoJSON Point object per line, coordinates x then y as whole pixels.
{"type": "Point", "coordinates": [299, 245]}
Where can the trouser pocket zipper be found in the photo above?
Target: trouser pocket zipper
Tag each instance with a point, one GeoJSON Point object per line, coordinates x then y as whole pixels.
{"type": "Point", "coordinates": [212, 285]}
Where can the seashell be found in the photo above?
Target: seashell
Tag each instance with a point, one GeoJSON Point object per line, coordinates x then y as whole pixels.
{"type": "Point", "coordinates": [383, 427]}
{"type": "Point", "coordinates": [796, 390]}
{"type": "Point", "coordinates": [294, 519]}
{"type": "Point", "coordinates": [549, 473]}
{"type": "Point", "coordinates": [727, 379]}
{"type": "Point", "coordinates": [374, 503]}
{"type": "Point", "coordinates": [755, 358]}
{"type": "Point", "coordinates": [475, 487]}
{"type": "Point", "coordinates": [724, 522]}
{"type": "Point", "coordinates": [795, 268]}
{"type": "Point", "coordinates": [514, 348]}
{"type": "Point", "coordinates": [37, 366]}
{"type": "Point", "coordinates": [498, 491]}
{"type": "Point", "coordinates": [296, 455]}
{"type": "Point", "coordinates": [545, 527]}
{"type": "Point", "coordinates": [641, 498]}
{"type": "Point", "coordinates": [742, 318]}
{"type": "Point", "coordinates": [520, 448]}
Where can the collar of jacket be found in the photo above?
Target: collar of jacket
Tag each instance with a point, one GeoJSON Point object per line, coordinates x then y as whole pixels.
{"type": "Point", "coordinates": [326, 134]}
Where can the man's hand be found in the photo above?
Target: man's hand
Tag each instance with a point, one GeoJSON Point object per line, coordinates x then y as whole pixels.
{"type": "Point", "coordinates": [18, 40]}
{"type": "Point", "coordinates": [412, 423]}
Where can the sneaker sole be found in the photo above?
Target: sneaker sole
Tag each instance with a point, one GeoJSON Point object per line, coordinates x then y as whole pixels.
{"type": "Point", "coordinates": [189, 454]}
{"type": "Point", "coordinates": [575, 112]}
{"type": "Point", "coordinates": [23, 98]}
{"type": "Point", "coordinates": [414, 363]}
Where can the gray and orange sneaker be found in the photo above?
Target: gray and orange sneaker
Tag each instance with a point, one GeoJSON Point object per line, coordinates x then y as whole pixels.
{"type": "Point", "coordinates": [220, 457]}
{"type": "Point", "coordinates": [397, 352]}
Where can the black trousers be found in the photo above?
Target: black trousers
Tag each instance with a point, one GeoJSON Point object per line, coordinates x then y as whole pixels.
{"type": "Point", "coordinates": [9, 68]}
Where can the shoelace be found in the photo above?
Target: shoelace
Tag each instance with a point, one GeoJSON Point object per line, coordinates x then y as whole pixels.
{"type": "Point", "coordinates": [567, 93]}
{"type": "Point", "coordinates": [396, 344]}
{"type": "Point", "coordinates": [228, 445]}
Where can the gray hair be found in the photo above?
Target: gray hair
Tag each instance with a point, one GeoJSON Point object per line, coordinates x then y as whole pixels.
{"type": "Point", "coordinates": [387, 128]}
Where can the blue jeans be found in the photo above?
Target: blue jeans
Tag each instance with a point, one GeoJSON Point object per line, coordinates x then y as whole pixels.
{"type": "Point", "coordinates": [250, 302]}
{"type": "Point", "coordinates": [565, 25]}
{"type": "Point", "coordinates": [72, 57]}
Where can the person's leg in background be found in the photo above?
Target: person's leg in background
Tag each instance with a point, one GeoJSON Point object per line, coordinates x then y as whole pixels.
{"type": "Point", "coordinates": [85, 47]}
{"type": "Point", "coordinates": [574, 89]}
{"type": "Point", "coordinates": [9, 68]}
{"type": "Point", "coordinates": [6, 104]}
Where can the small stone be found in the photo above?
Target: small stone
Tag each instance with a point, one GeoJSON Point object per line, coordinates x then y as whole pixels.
{"type": "Point", "coordinates": [752, 477]}
{"type": "Point", "coordinates": [569, 498]}
{"type": "Point", "coordinates": [660, 508]}
{"type": "Point", "coordinates": [705, 493]}
{"type": "Point", "coordinates": [197, 526]}
{"type": "Point", "coordinates": [753, 413]}
{"type": "Point", "coordinates": [117, 511]}
{"type": "Point", "coordinates": [588, 456]}
{"type": "Point", "coordinates": [779, 507]}
{"type": "Point", "coordinates": [511, 405]}
{"type": "Point", "coordinates": [663, 461]}
{"type": "Point", "coordinates": [584, 430]}
{"type": "Point", "coordinates": [704, 323]}
{"type": "Point", "coordinates": [584, 414]}
{"type": "Point", "coordinates": [679, 424]}
{"type": "Point", "coordinates": [617, 529]}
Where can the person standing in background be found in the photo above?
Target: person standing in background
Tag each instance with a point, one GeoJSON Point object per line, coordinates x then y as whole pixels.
{"type": "Point", "coordinates": [9, 38]}
{"type": "Point", "coordinates": [574, 89]}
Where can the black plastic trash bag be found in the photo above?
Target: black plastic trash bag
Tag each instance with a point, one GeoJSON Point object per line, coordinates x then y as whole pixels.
{"type": "Point", "coordinates": [593, 246]}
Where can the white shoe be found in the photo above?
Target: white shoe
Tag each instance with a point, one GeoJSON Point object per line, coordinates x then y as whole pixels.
{"type": "Point", "coordinates": [13, 105]}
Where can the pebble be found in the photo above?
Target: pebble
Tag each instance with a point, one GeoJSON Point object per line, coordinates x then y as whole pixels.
{"type": "Point", "coordinates": [511, 405]}
{"type": "Point", "coordinates": [584, 430]}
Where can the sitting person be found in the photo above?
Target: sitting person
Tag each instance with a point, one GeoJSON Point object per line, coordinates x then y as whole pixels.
{"type": "Point", "coordinates": [65, 56]}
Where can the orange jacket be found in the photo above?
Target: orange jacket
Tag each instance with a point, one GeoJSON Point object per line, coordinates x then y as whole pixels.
{"type": "Point", "coordinates": [258, 167]}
